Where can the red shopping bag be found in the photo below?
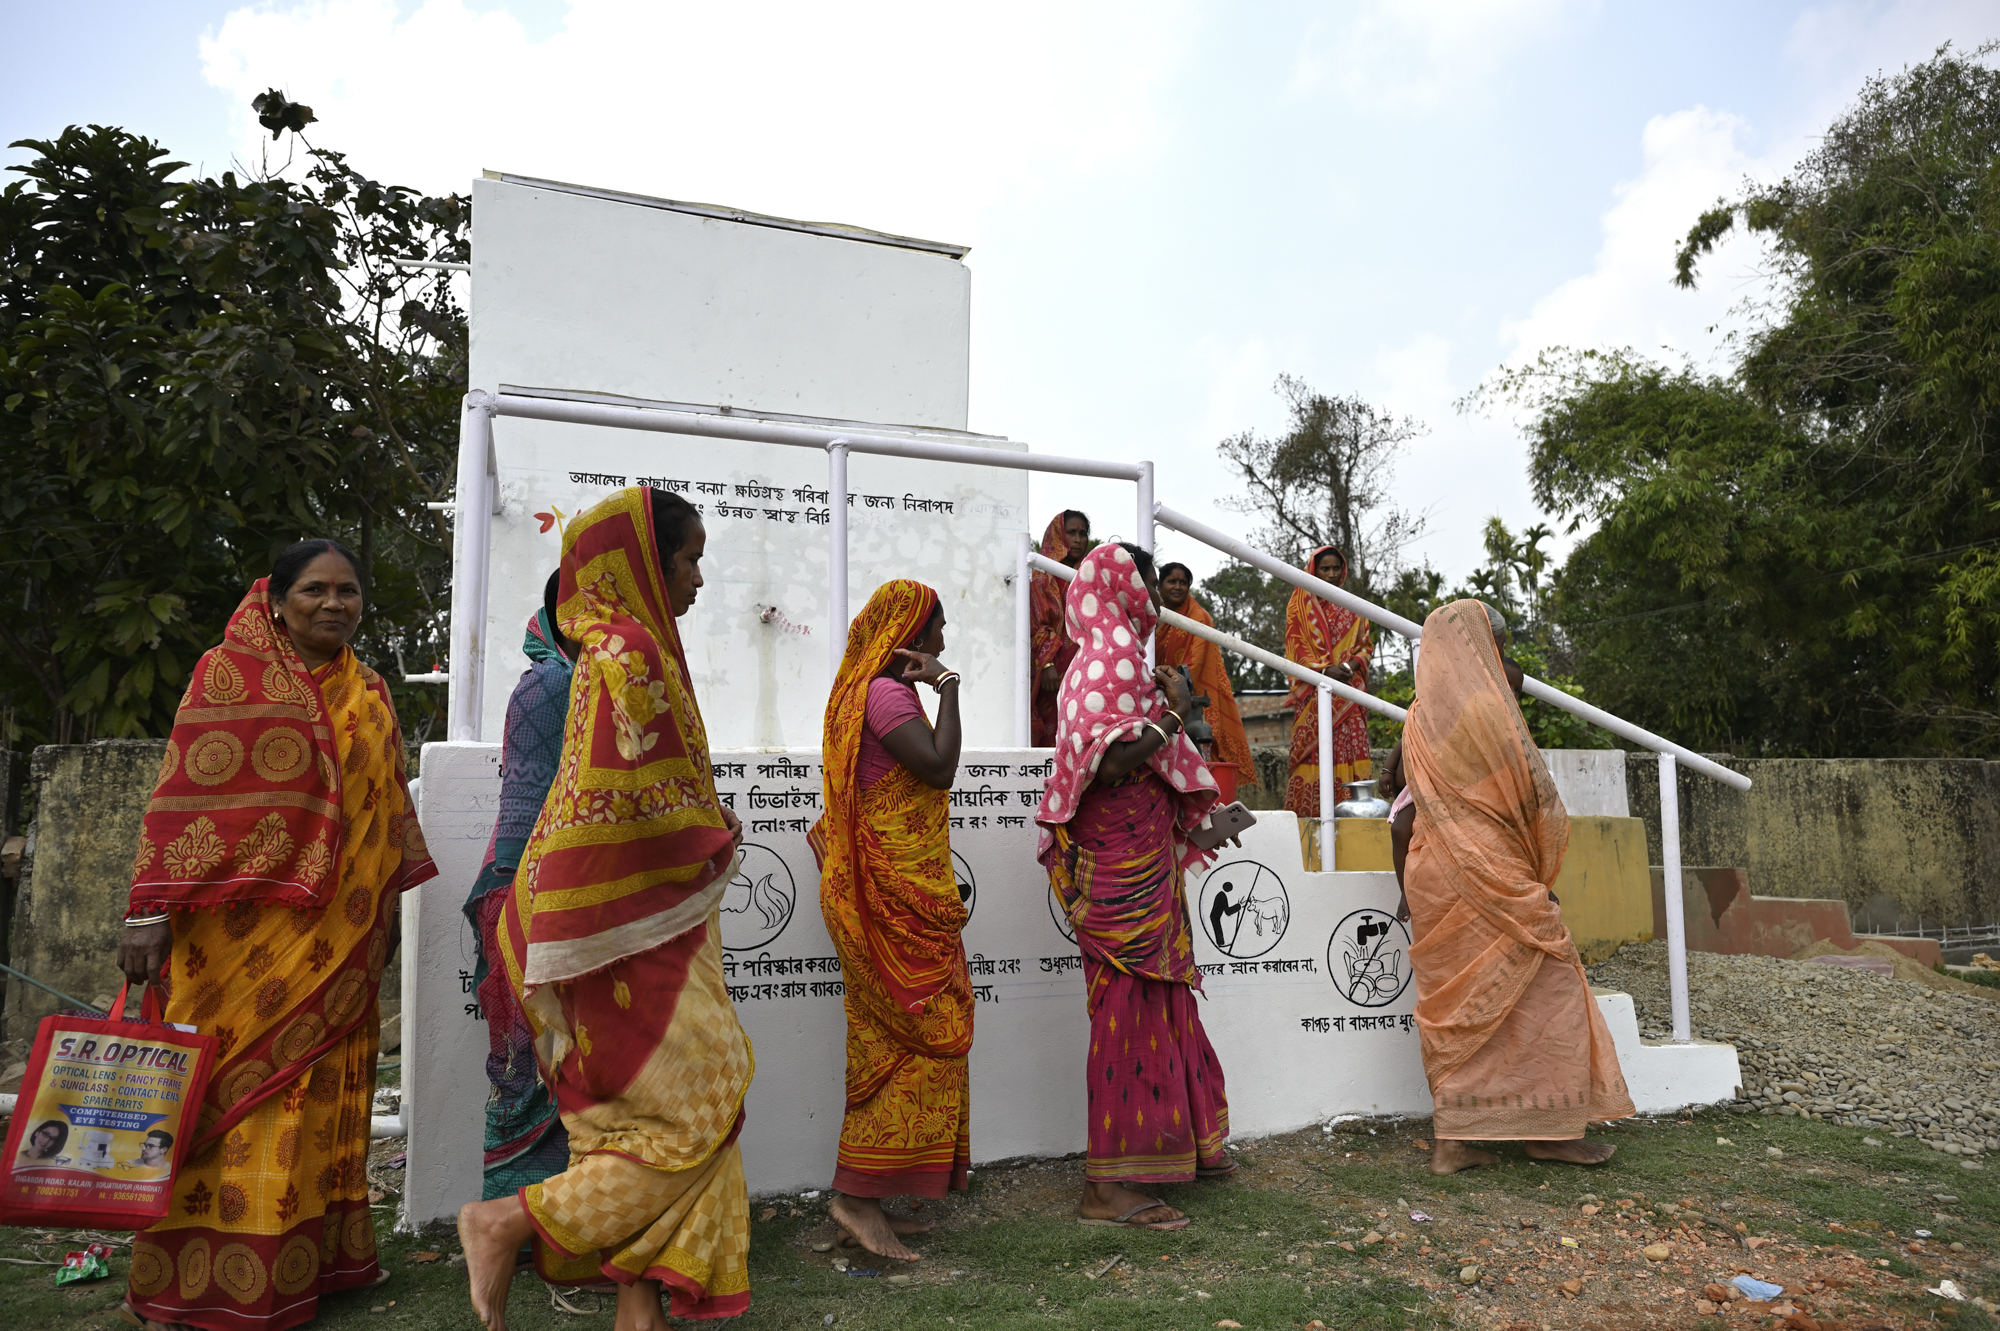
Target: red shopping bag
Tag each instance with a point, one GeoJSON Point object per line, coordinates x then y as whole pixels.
{"type": "Point", "coordinates": [107, 1112]}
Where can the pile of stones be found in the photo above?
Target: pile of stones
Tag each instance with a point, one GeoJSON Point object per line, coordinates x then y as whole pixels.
{"type": "Point", "coordinates": [1842, 1045]}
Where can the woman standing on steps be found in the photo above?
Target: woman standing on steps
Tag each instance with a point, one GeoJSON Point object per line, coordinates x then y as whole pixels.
{"type": "Point", "coordinates": [1127, 789]}
{"type": "Point", "coordinates": [1513, 1044]}
{"type": "Point", "coordinates": [890, 898]}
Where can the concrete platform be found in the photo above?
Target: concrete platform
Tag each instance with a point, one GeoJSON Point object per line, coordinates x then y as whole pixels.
{"type": "Point", "coordinates": [1664, 1077]}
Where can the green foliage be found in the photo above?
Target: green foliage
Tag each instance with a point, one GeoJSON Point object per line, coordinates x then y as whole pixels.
{"type": "Point", "coordinates": [1797, 558]}
{"type": "Point", "coordinates": [1249, 603]}
{"type": "Point", "coordinates": [1325, 481]}
{"type": "Point", "coordinates": [193, 374]}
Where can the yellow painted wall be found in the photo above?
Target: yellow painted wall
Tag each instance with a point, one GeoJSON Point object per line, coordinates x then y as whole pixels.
{"type": "Point", "coordinates": [1605, 887]}
{"type": "Point", "coordinates": [1362, 844]}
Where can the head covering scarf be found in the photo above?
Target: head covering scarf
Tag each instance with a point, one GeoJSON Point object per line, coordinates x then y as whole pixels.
{"type": "Point", "coordinates": [1108, 696]}
{"type": "Point", "coordinates": [1045, 596]}
{"type": "Point", "coordinates": [1480, 784]}
{"type": "Point", "coordinates": [912, 938]}
{"type": "Point", "coordinates": [540, 642]}
{"type": "Point", "coordinates": [248, 805]}
{"type": "Point", "coordinates": [618, 863]}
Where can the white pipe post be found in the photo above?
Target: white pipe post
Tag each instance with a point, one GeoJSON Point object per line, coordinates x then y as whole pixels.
{"type": "Point", "coordinates": [1024, 647]}
{"type": "Point", "coordinates": [836, 561]}
{"type": "Point", "coordinates": [1323, 699]}
{"type": "Point", "coordinates": [1142, 536]}
{"type": "Point", "coordinates": [1670, 855]}
{"type": "Point", "coordinates": [472, 540]}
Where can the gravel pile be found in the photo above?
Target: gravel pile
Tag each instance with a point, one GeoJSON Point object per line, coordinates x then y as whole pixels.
{"type": "Point", "coordinates": [1837, 1044]}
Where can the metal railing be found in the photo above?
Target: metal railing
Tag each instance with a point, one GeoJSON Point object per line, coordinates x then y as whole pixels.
{"type": "Point", "coordinates": [478, 481]}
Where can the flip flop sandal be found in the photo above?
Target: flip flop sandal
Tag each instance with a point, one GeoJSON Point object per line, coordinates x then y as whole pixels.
{"type": "Point", "coordinates": [1127, 1222]}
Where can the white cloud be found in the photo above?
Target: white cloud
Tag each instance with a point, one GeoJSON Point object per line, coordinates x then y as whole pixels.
{"type": "Point", "coordinates": [1418, 53]}
{"type": "Point", "coordinates": [912, 118]}
{"type": "Point", "coordinates": [1691, 158]}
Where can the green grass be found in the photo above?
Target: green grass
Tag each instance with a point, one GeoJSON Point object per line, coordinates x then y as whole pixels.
{"type": "Point", "coordinates": [1024, 1263]}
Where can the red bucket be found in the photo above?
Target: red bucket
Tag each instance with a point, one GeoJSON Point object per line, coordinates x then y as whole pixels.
{"type": "Point", "coordinates": [1225, 780]}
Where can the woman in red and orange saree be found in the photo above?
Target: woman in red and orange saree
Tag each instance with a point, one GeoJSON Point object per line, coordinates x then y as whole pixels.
{"type": "Point", "coordinates": [275, 849]}
{"type": "Point", "coordinates": [1065, 540]}
{"type": "Point", "coordinates": [1175, 646]}
{"type": "Point", "coordinates": [1513, 1044]}
{"type": "Point", "coordinates": [1127, 788]}
{"type": "Point", "coordinates": [890, 898]}
{"type": "Point", "coordinates": [1334, 641]}
{"type": "Point", "coordinates": [611, 938]}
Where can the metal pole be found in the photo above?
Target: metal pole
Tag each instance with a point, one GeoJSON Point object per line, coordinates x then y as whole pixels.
{"type": "Point", "coordinates": [1024, 647]}
{"type": "Point", "coordinates": [1143, 533]}
{"type": "Point", "coordinates": [1328, 787]}
{"type": "Point", "coordinates": [836, 562]}
{"type": "Point", "coordinates": [1670, 854]}
{"type": "Point", "coordinates": [472, 540]}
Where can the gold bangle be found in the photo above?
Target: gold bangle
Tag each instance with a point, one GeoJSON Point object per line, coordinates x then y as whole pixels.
{"type": "Point", "coordinates": [948, 677]}
{"type": "Point", "coordinates": [1164, 740]}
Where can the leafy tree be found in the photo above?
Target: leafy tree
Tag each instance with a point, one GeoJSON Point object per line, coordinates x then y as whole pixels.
{"type": "Point", "coordinates": [193, 374]}
{"type": "Point", "coordinates": [1799, 557]}
{"type": "Point", "coordinates": [1325, 481]}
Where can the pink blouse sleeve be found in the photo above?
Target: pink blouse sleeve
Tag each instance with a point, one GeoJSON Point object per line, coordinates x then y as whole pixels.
{"type": "Point", "coordinates": [890, 704]}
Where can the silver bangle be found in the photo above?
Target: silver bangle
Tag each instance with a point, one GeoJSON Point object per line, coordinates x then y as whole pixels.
{"type": "Point", "coordinates": [161, 918]}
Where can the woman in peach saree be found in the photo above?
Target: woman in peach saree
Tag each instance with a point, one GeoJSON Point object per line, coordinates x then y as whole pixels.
{"type": "Point", "coordinates": [1513, 1044]}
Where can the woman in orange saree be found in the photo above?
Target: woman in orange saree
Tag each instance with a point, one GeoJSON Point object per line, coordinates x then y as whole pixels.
{"type": "Point", "coordinates": [1334, 641]}
{"type": "Point", "coordinates": [612, 939]}
{"type": "Point", "coordinates": [1065, 541]}
{"type": "Point", "coordinates": [1173, 647]}
{"type": "Point", "coordinates": [890, 898]}
{"type": "Point", "coordinates": [263, 909]}
{"type": "Point", "coordinates": [1513, 1044]}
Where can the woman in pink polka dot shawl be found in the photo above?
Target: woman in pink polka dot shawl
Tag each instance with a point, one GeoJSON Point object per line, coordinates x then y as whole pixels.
{"type": "Point", "coordinates": [1127, 788]}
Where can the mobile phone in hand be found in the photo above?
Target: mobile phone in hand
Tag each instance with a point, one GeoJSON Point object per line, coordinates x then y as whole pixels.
{"type": "Point", "coordinates": [1223, 823]}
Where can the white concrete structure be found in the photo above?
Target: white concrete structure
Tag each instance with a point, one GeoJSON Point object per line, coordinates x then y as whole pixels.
{"type": "Point", "coordinates": [588, 294]}
{"type": "Point", "coordinates": [1590, 781]}
{"type": "Point", "coordinates": [1307, 980]}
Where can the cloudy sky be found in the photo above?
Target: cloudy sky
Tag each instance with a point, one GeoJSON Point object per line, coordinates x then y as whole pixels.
{"type": "Point", "coordinates": [1168, 203]}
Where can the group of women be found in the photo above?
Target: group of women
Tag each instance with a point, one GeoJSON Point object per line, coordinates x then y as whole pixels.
{"type": "Point", "coordinates": [1319, 634]}
{"type": "Point", "coordinates": [264, 907]}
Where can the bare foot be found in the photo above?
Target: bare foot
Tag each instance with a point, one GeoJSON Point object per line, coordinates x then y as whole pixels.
{"type": "Point", "coordinates": [1575, 1151]}
{"type": "Point", "coordinates": [491, 1233]}
{"type": "Point", "coordinates": [1108, 1201]}
{"type": "Point", "coordinates": [898, 1224]}
{"type": "Point", "coordinates": [870, 1226]}
{"type": "Point", "coordinates": [1448, 1156]}
{"type": "Point", "coordinates": [137, 1319]}
{"type": "Point", "coordinates": [639, 1308]}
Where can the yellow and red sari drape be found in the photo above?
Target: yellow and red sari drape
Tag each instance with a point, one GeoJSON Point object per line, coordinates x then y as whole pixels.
{"type": "Point", "coordinates": [1048, 637]}
{"type": "Point", "coordinates": [1514, 1046]}
{"type": "Point", "coordinates": [1172, 646]}
{"type": "Point", "coordinates": [1321, 635]}
{"type": "Point", "coordinates": [283, 881]}
{"type": "Point", "coordinates": [611, 937]}
{"type": "Point", "coordinates": [890, 898]}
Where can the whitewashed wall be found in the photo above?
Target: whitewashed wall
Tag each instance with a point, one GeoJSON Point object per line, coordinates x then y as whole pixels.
{"type": "Point", "coordinates": [1295, 1044]}
{"type": "Point", "coordinates": [1590, 781]}
{"type": "Point", "coordinates": [602, 294]}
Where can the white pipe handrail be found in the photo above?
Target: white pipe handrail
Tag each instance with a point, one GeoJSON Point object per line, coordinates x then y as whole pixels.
{"type": "Point", "coordinates": [1547, 693]}
{"type": "Point", "coordinates": [1244, 649]}
{"type": "Point", "coordinates": [750, 429]}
